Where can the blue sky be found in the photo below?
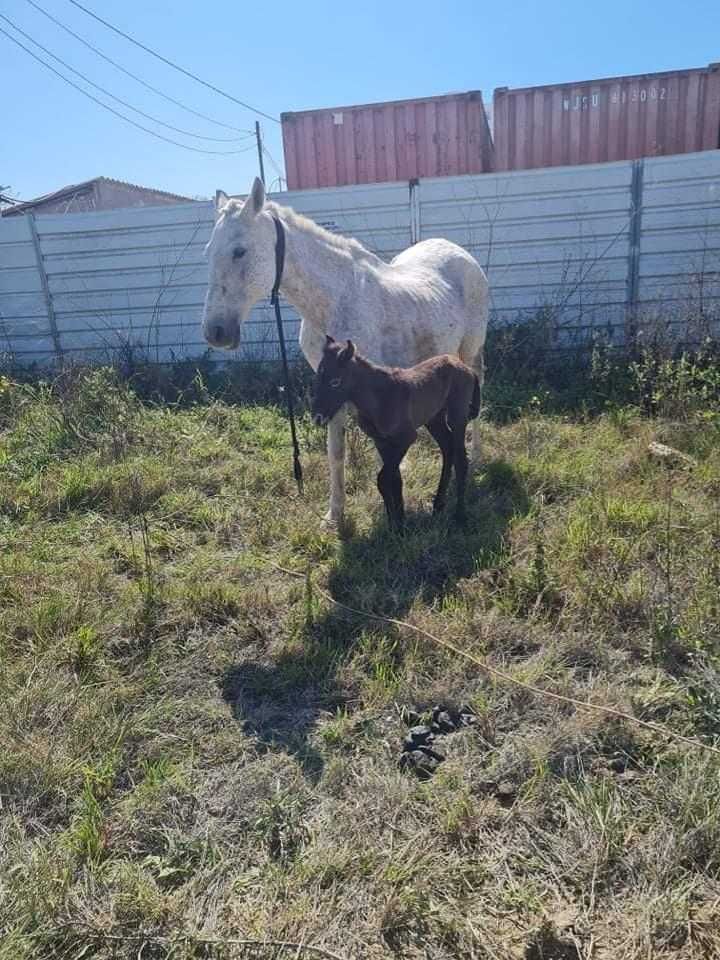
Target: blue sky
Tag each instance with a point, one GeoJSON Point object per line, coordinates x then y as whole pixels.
{"type": "Point", "coordinates": [298, 55]}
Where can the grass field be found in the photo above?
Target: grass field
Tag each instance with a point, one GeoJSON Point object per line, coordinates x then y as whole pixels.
{"type": "Point", "coordinates": [197, 746]}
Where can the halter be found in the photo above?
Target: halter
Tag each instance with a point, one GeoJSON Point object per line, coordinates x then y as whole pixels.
{"type": "Point", "coordinates": [275, 301]}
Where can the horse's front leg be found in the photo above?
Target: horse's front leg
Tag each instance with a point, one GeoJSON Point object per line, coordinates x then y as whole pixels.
{"type": "Point", "coordinates": [336, 462]}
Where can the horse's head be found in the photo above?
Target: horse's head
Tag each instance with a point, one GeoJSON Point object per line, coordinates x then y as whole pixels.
{"type": "Point", "coordinates": [334, 380]}
{"type": "Point", "coordinates": [242, 265]}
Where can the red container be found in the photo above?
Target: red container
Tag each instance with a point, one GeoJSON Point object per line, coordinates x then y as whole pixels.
{"type": "Point", "coordinates": [621, 118]}
{"type": "Point", "coordinates": [381, 142]}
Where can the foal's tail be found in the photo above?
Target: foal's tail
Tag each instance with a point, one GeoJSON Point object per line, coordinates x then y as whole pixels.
{"type": "Point", "coordinates": [475, 402]}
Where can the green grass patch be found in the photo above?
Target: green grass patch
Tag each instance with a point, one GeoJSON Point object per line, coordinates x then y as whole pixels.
{"type": "Point", "coordinates": [196, 744]}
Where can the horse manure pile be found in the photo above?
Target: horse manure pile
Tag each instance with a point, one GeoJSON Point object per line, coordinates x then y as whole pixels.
{"type": "Point", "coordinates": [419, 754]}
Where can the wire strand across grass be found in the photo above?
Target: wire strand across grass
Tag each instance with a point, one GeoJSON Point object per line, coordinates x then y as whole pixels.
{"type": "Point", "coordinates": [143, 939]}
{"type": "Point", "coordinates": [500, 674]}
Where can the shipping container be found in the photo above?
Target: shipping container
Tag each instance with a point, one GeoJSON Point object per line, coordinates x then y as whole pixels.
{"type": "Point", "coordinates": [385, 142]}
{"type": "Point", "coordinates": [619, 118]}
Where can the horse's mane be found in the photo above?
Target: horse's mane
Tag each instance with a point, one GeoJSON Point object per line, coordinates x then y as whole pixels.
{"type": "Point", "coordinates": [346, 245]}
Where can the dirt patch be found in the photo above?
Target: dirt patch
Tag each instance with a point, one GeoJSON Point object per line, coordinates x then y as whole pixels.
{"type": "Point", "coordinates": [548, 943]}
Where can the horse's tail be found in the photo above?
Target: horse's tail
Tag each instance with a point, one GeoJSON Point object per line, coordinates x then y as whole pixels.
{"type": "Point", "coordinates": [475, 402]}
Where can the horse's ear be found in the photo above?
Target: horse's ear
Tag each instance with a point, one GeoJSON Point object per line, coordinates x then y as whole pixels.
{"type": "Point", "coordinates": [329, 341]}
{"type": "Point", "coordinates": [256, 200]}
{"type": "Point", "coordinates": [221, 200]}
{"type": "Point", "coordinates": [347, 353]}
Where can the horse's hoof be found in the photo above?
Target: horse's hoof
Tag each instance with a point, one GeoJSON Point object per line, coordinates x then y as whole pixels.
{"type": "Point", "coordinates": [332, 522]}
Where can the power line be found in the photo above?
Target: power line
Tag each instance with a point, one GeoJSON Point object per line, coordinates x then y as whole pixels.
{"type": "Point", "coordinates": [134, 76]}
{"type": "Point", "coordinates": [148, 116]}
{"type": "Point", "coordinates": [170, 63]}
{"type": "Point", "coordinates": [159, 136]}
{"type": "Point", "coordinates": [273, 163]}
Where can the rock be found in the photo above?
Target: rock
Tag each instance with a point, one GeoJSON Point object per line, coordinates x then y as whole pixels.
{"type": "Point", "coordinates": [417, 737]}
{"type": "Point", "coordinates": [410, 717]}
{"type": "Point", "coordinates": [418, 755]}
{"type": "Point", "coordinates": [506, 793]}
{"type": "Point", "coordinates": [467, 716]}
{"type": "Point", "coordinates": [423, 766]}
{"type": "Point", "coordinates": [444, 720]}
{"type": "Point", "coordinates": [429, 752]}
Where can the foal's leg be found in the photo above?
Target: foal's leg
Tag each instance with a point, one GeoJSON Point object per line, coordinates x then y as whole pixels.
{"type": "Point", "coordinates": [336, 462]}
{"type": "Point", "coordinates": [385, 485]}
{"type": "Point", "coordinates": [440, 432]}
{"type": "Point", "coordinates": [397, 493]}
{"type": "Point", "coordinates": [390, 479]}
{"type": "Point", "coordinates": [384, 477]}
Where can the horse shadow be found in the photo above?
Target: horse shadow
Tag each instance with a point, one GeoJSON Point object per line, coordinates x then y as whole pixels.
{"type": "Point", "coordinates": [279, 703]}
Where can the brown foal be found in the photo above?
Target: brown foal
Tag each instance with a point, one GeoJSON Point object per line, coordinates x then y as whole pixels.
{"type": "Point", "coordinates": [442, 394]}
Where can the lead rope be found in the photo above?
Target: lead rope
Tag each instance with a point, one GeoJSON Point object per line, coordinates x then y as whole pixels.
{"type": "Point", "coordinates": [275, 301]}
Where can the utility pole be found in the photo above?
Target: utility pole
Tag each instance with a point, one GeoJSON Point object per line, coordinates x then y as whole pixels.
{"type": "Point", "coordinates": [258, 137]}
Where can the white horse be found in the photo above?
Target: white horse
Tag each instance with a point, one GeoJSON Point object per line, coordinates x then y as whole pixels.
{"type": "Point", "coordinates": [430, 299]}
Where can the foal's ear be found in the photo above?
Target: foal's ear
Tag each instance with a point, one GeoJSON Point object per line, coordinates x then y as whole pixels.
{"type": "Point", "coordinates": [329, 341]}
{"type": "Point", "coordinates": [347, 353]}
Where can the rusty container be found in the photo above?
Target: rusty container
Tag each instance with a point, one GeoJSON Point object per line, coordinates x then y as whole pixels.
{"type": "Point", "coordinates": [383, 142]}
{"type": "Point", "coordinates": [619, 118]}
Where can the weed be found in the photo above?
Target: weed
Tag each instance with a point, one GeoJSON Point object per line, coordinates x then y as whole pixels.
{"type": "Point", "coordinates": [87, 837]}
{"type": "Point", "coordinates": [84, 648]}
{"type": "Point", "coordinates": [213, 602]}
{"type": "Point", "coordinates": [281, 825]}
{"type": "Point", "coordinates": [146, 620]}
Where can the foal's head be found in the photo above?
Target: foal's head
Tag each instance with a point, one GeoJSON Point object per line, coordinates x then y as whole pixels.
{"type": "Point", "coordinates": [334, 379]}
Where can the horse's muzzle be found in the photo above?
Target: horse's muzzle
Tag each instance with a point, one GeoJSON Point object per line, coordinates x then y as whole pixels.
{"type": "Point", "coordinates": [320, 419]}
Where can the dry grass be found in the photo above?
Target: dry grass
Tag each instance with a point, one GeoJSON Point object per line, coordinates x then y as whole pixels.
{"type": "Point", "coordinates": [196, 746]}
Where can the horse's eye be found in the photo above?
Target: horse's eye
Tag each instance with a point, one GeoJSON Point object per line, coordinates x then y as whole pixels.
{"type": "Point", "coordinates": [238, 252]}
{"type": "Point", "coordinates": [335, 383]}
